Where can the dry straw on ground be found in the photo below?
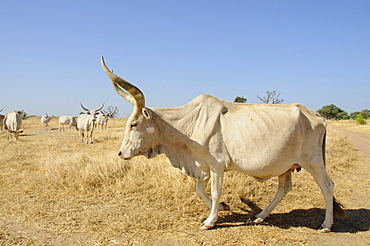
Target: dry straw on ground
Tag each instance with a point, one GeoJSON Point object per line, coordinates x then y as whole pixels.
{"type": "Point", "coordinates": [58, 191]}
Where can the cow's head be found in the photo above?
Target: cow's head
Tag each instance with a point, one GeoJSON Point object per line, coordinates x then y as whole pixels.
{"type": "Point", "coordinates": [140, 134]}
{"type": "Point", "coordinates": [92, 113]}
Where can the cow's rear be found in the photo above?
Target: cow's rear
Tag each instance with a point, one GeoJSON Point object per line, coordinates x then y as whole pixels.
{"type": "Point", "coordinates": [13, 124]}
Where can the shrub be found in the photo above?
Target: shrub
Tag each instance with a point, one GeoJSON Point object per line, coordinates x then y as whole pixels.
{"type": "Point", "coordinates": [360, 119]}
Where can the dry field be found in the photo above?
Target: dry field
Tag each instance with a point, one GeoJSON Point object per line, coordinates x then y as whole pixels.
{"type": "Point", "coordinates": [58, 191]}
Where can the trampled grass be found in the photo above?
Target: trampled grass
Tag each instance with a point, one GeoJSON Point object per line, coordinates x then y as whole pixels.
{"type": "Point", "coordinates": [72, 193]}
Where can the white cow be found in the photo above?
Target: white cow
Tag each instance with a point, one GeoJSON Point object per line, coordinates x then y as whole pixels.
{"type": "Point", "coordinates": [1, 120]}
{"type": "Point", "coordinates": [86, 122]}
{"type": "Point", "coordinates": [102, 120]}
{"type": "Point", "coordinates": [45, 119]}
{"type": "Point", "coordinates": [67, 120]}
{"type": "Point", "coordinates": [13, 124]}
{"type": "Point", "coordinates": [209, 136]}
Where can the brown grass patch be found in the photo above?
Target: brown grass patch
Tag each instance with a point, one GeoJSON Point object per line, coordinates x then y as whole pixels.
{"type": "Point", "coordinates": [55, 190]}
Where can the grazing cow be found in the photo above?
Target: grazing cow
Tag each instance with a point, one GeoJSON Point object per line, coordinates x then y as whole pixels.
{"type": "Point", "coordinates": [209, 136]}
{"type": "Point", "coordinates": [85, 123]}
{"type": "Point", "coordinates": [1, 120]}
{"type": "Point", "coordinates": [13, 123]}
{"type": "Point", "coordinates": [67, 120]}
{"type": "Point", "coordinates": [45, 119]}
{"type": "Point", "coordinates": [102, 120]}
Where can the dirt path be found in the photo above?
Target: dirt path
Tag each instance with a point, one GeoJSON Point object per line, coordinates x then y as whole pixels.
{"type": "Point", "coordinates": [360, 140]}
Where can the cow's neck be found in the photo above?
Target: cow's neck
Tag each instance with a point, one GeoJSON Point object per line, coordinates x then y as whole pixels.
{"type": "Point", "coordinates": [184, 153]}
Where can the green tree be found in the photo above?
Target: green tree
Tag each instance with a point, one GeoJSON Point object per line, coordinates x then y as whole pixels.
{"type": "Point", "coordinates": [240, 100]}
{"type": "Point", "coordinates": [365, 114]}
{"type": "Point", "coordinates": [354, 114]}
{"type": "Point", "coordinates": [333, 112]}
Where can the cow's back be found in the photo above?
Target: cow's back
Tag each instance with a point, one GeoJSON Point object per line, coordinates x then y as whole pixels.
{"type": "Point", "coordinates": [65, 120]}
{"type": "Point", "coordinates": [264, 139]}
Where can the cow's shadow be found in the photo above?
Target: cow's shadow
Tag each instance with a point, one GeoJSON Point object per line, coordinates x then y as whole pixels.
{"type": "Point", "coordinates": [357, 220]}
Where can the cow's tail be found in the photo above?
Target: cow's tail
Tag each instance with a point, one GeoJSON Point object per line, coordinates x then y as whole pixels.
{"type": "Point", "coordinates": [338, 209]}
{"type": "Point", "coordinates": [324, 148]}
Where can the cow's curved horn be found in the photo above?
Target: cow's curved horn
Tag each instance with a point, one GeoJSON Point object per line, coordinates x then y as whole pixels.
{"type": "Point", "coordinates": [1, 109]}
{"type": "Point", "coordinates": [134, 95]}
{"type": "Point", "coordinates": [100, 107]}
{"type": "Point", "coordinates": [82, 106]}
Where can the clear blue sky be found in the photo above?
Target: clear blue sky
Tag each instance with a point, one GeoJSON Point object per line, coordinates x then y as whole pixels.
{"type": "Point", "coordinates": [312, 52]}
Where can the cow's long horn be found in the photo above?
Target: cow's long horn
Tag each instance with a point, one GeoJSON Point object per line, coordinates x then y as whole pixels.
{"type": "Point", "coordinates": [100, 107]}
{"type": "Point", "coordinates": [1, 109]}
{"type": "Point", "coordinates": [135, 96]}
{"type": "Point", "coordinates": [84, 107]}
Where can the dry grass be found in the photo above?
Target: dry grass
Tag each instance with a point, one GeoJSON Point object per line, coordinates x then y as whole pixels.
{"type": "Point", "coordinates": [351, 125]}
{"type": "Point", "coordinates": [57, 191]}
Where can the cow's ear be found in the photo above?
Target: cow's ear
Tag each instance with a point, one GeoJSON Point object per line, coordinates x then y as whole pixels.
{"type": "Point", "coordinates": [147, 113]}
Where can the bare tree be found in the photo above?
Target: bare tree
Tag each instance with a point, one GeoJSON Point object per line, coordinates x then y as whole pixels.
{"type": "Point", "coordinates": [112, 110]}
{"type": "Point", "coordinates": [271, 98]}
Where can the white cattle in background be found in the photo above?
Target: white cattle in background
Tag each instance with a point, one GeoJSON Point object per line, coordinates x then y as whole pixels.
{"type": "Point", "coordinates": [67, 120]}
{"type": "Point", "coordinates": [45, 119]}
{"type": "Point", "coordinates": [102, 120]}
{"type": "Point", "coordinates": [209, 136]}
{"type": "Point", "coordinates": [1, 120]}
{"type": "Point", "coordinates": [13, 124]}
{"type": "Point", "coordinates": [86, 122]}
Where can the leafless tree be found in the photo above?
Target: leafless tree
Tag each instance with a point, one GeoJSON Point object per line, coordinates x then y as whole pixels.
{"type": "Point", "coordinates": [271, 98]}
{"type": "Point", "coordinates": [112, 110]}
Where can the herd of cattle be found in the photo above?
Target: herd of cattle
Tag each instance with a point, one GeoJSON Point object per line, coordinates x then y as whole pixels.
{"type": "Point", "coordinates": [84, 123]}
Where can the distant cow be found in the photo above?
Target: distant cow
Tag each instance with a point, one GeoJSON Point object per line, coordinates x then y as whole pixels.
{"type": "Point", "coordinates": [45, 119]}
{"type": "Point", "coordinates": [1, 120]}
{"type": "Point", "coordinates": [67, 120]}
{"type": "Point", "coordinates": [209, 136]}
{"type": "Point", "coordinates": [86, 122]}
{"type": "Point", "coordinates": [102, 120]}
{"type": "Point", "coordinates": [13, 124]}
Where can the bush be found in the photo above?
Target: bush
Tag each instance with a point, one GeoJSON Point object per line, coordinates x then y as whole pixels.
{"type": "Point", "coordinates": [360, 119]}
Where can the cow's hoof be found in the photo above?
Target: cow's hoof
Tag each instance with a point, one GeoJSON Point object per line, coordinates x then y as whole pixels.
{"type": "Point", "coordinates": [205, 227]}
{"type": "Point", "coordinates": [225, 206]}
{"type": "Point", "coordinates": [258, 221]}
{"type": "Point", "coordinates": [324, 230]}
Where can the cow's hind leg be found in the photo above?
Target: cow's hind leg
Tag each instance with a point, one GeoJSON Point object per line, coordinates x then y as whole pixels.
{"type": "Point", "coordinates": [327, 187]}
{"type": "Point", "coordinates": [201, 192]}
{"type": "Point", "coordinates": [285, 185]}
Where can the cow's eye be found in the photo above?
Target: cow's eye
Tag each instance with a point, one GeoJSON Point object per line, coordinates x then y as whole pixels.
{"type": "Point", "coordinates": [88, 112]}
{"type": "Point", "coordinates": [134, 124]}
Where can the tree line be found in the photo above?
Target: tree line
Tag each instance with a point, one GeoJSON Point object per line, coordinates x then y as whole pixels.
{"type": "Point", "coordinates": [330, 111]}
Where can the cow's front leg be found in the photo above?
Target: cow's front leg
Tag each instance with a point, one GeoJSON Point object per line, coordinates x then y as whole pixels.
{"type": "Point", "coordinates": [86, 136]}
{"type": "Point", "coordinates": [201, 192]}
{"type": "Point", "coordinates": [81, 133]}
{"type": "Point", "coordinates": [91, 132]}
{"type": "Point", "coordinates": [216, 188]}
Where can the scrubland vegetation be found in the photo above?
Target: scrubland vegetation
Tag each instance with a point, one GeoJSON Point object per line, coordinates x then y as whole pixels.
{"type": "Point", "coordinates": [58, 191]}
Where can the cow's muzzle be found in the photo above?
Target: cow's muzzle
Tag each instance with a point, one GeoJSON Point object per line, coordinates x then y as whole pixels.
{"type": "Point", "coordinates": [123, 156]}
